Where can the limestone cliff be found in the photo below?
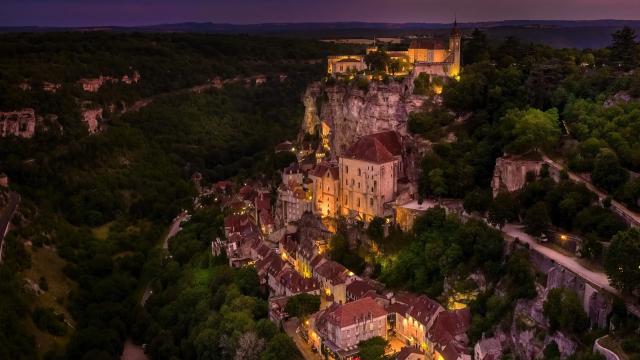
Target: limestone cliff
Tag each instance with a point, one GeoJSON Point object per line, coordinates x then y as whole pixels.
{"type": "Point", "coordinates": [510, 173]}
{"type": "Point", "coordinates": [351, 112]}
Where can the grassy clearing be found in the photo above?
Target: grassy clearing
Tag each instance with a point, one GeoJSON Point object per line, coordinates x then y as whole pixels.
{"type": "Point", "coordinates": [47, 264]}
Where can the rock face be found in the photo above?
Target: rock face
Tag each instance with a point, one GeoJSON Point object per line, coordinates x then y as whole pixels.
{"type": "Point", "coordinates": [21, 123]}
{"type": "Point", "coordinates": [351, 112]}
{"type": "Point", "coordinates": [510, 173]}
{"type": "Point", "coordinates": [92, 117]}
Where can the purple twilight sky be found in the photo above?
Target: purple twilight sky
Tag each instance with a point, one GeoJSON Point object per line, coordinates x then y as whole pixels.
{"type": "Point", "coordinates": [146, 12]}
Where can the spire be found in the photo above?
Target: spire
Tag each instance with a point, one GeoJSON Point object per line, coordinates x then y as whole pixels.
{"type": "Point", "coordinates": [455, 31]}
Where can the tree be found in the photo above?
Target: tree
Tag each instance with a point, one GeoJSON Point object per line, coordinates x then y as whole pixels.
{"type": "Point", "coordinates": [280, 347]}
{"type": "Point", "coordinates": [531, 129]}
{"type": "Point", "coordinates": [375, 230]}
{"type": "Point", "coordinates": [607, 171]}
{"type": "Point", "coordinates": [249, 346]}
{"type": "Point", "coordinates": [373, 348]}
{"type": "Point", "coordinates": [536, 219]}
{"type": "Point", "coordinates": [438, 183]}
{"type": "Point", "coordinates": [378, 60]}
{"type": "Point", "coordinates": [302, 305]}
{"type": "Point", "coordinates": [551, 351]}
{"type": "Point", "coordinates": [421, 84]}
{"type": "Point", "coordinates": [477, 200]}
{"type": "Point", "coordinates": [503, 209]}
{"type": "Point", "coordinates": [621, 262]}
{"type": "Point", "coordinates": [476, 49]}
{"type": "Point", "coordinates": [520, 277]}
{"type": "Point", "coordinates": [564, 311]}
{"type": "Point", "coordinates": [624, 49]}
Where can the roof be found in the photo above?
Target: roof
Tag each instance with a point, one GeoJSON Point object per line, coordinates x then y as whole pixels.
{"type": "Point", "coordinates": [448, 332]}
{"type": "Point", "coordinates": [358, 288]}
{"type": "Point", "coordinates": [324, 168]}
{"type": "Point", "coordinates": [332, 271]}
{"type": "Point", "coordinates": [424, 309]}
{"type": "Point", "coordinates": [350, 313]}
{"type": "Point", "coordinates": [430, 44]}
{"type": "Point", "coordinates": [406, 351]}
{"type": "Point", "coordinates": [284, 146]}
{"type": "Point", "coordinates": [398, 308]}
{"type": "Point", "coordinates": [295, 283]}
{"type": "Point", "coordinates": [350, 60]}
{"type": "Point", "coordinates": [377, 148]}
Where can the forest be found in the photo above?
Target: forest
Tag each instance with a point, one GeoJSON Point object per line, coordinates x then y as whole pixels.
{"type": "Point", "coordinates": [104, 201]}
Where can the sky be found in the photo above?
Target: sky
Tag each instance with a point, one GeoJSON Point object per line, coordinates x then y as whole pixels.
{"type": "Point", "coordinates": [148, 12]}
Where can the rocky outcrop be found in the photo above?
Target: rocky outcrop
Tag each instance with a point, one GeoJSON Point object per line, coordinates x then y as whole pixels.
{"type": "Point", "coordinates": [510, 173]}
{"type": "Point", "coordinates": [352, 112]}
{"type": "Point", "coordinates": [92, 117]}
{"type": "Point", "coordinates": [21, 123]}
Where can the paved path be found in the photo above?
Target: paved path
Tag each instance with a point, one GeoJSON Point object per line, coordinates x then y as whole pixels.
{"type": "Point", "coordinates": [174, 228]}
{"type": "Point", "coordinates": [5, 220]}
{"type": "Point", "coordinates": [305, 349]}
{"type": "Point", "coordinates": [598, 279]}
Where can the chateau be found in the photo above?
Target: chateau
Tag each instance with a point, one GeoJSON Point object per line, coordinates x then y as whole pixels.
{"type": "Point", "coordinates": [424, 55]}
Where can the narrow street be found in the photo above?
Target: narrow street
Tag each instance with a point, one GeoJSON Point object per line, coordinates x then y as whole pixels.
{"type": "Point", "coordinates": [305, 349]}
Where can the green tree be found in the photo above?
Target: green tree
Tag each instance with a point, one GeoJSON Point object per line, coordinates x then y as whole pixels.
{"type": "Point", "coordinates": [621, 262]}
{"type": "Point", "coordinates": [564, 311]}
{"type": "Point", "coordinates": [375, 229]}
{"type": "Point", "coordinates": [373, 348]}
{"type": "Point", "coordinates": [551, 351]}
{"type": "Point", "coordinates": [536, 219]}
{"type": "Point", "coordinates": [477, 48]}
{"type": "Point", "coordinates": [624, 49]}
{"type": "Point", "coordinates": [422, 84]}
{"type": "Point", "coordinates": [503, 209]}
{"type": "Point", "coordinates": [378, 60]}
{"type": "Point", "coordinates": [280, 347]}
{"type": "Point", "coordinates": [302, 305]}
{"type": "Point", "coordinates": [477, 200]}
{"type": "Point", "coordinates": [532, 129]}
{"type": "Point", "coordinates": [607, 171]}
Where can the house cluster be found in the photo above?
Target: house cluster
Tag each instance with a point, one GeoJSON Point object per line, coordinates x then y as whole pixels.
{"type": "Point", "coordinates": [424, 55]}
{"type": "Point", "coordinates": [423, 327]}
{"type": "Point", "coordinates": [94, 84]}
{"type": "Point", "coordinates": [361, 184]}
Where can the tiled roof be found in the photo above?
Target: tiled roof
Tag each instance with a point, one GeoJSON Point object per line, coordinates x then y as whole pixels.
{"type": "Point", "coordinates": [406, 351]}
{"type": "Point", "coordinates": [321, 170]}
{"type": "Point", "coordinates": [424, 309]}
{"type": "Point", "coordinates": [430, 44]}
{"type": "Point", "coordinates": [332, 271]}
{"type": "Point", "coordinates": [358, 288]}
{"type": "Point", "coordinates": [377, 148]}
{"type": "Point", "coordinates": [350, 313]}
{"type": "Point", "coordinates": [295, 283]}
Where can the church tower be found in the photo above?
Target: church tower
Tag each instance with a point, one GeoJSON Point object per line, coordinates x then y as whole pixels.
{"type": "Point", "coordinates": [454, 49]}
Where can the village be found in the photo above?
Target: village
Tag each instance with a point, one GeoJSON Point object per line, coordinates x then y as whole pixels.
{"type": "Point", "coordinates": [353, 179]}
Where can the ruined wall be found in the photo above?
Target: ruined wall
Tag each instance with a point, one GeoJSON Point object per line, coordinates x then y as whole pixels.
{"type": "Point", "coordinates": [92, 118]}
{"type": "Point", "coordinates": [510, 173]}
{"type": "Point", "coordinates": [21, 123]}
{"type": "Point", "coordinates": [351, 112]}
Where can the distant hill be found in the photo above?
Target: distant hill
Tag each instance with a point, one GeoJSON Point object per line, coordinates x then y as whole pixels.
{"type": "Point", "coordinates": [556, 33]}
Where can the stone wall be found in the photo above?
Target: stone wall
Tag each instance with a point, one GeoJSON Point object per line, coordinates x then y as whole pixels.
{"type": "Point", "coordinates": [92, 118]}
{"type": "Point", "coordinates": [510, 173]}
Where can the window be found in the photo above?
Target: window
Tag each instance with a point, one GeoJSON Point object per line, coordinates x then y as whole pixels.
{"type": "Point", "coordinates": [346, 200]}
{"type": "Point", "coordinates": [358, 202]}
{"type": "Point", "coordinates": [346, 169]}
{"type": "Point", "coordinates": [359, 172]}
{"type": "Point", "coordinates": [371, 202]}
{"type": "Point", "coordinates": [352, 182]}
{"type": "Point", "coordinates": [375, 185]}
{"type": "Point", "coordinates": [358, 184]}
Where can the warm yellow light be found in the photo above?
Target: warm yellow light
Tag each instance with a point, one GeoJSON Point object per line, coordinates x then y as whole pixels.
{"type": "Point", "coordinates": [563, 237]}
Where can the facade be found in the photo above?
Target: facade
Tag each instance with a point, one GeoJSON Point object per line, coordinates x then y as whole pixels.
{"type": "Point", "coordinates": [345, 64]}
{"type": "Point", "coordinates": [338, 329]}
{"type": "Point", "coordinates": [293, 198]}
{"type": "Point", "coordinates": [325, 189]}
{"type": "Point", "coordinates": [369, 173]}
{"type": "Point", "coordinates": [406, 213]}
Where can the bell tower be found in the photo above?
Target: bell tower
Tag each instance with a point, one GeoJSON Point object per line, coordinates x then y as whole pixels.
{"type": "Point", "coordinates": [454, 49]}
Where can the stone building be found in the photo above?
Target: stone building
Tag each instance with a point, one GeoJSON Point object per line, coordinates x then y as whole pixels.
{"type": "Point", "coordinates": [21, 123]}
{"type": "Point", "coordinates": [325, 187]}
{"type": "Point", "coordinates": [345, 64]}
{"type": "Point", "coordinates": [369, 173]}
{"type": "Point", "coordinates": [338, 329]}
